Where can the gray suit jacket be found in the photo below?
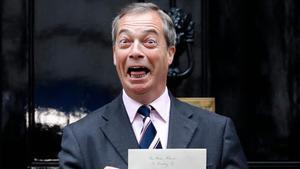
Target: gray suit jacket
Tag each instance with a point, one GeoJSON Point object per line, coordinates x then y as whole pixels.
{"type": "Point", "coordinates": [103, 137]}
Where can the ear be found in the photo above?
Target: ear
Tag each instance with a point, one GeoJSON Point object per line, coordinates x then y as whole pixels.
{"type": "Point", "coordinates": [114, 56]}
{"type": "Point", "coordinates": [171, 53]}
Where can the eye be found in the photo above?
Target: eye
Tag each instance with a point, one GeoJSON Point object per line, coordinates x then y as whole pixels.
{"type": "Point", "coordinates": [124, 43]}
{"type": "Point", "coordinates": [150, 43]}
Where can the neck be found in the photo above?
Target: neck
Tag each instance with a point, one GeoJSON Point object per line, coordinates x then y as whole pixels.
{"type": "Point", "coordinates": [146, 98]}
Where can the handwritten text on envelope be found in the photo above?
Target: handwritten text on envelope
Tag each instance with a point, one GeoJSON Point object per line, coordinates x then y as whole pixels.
{"type": "Point", "coordinates": [166, 158]}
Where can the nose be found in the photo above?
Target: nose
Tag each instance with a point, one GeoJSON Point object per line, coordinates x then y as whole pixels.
{"type": "Point", "coordinates": [136, 51]}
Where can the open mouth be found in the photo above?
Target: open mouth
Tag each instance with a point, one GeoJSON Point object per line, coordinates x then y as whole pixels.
{"type": "Point", "coordinates": [137, 71]}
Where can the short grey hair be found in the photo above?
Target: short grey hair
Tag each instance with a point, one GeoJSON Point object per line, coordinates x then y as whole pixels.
{"type": "Point", "coordinates": [137, 8]}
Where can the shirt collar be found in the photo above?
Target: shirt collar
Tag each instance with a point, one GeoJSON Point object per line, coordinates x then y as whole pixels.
{"type": "Point", "coordinates": [161, 105]}
{"type": "Point", "coordinates": [131, 106]}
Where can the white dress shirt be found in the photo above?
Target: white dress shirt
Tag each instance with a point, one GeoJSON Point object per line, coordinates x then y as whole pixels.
{"type": "Point", "coordinates": [159, 118]}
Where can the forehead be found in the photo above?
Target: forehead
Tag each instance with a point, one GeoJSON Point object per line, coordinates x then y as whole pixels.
{"type": "Point", "coordinates": [140, 21]}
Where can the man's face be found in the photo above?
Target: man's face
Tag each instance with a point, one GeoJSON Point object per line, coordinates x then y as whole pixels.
{"type": "Point", "coordinates": [141, 55]}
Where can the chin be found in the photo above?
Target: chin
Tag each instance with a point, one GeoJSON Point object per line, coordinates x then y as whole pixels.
{"type": "Point", "coordinates": [138, 90]}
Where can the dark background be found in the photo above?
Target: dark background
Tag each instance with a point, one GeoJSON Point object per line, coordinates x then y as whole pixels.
{"type": "Point", "coordinates": [56, 67]}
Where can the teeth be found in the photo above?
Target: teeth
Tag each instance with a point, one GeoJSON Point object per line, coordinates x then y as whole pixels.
{"type": "Point", "coordinates": [137, 76]}
{"type": "Point", "coordinates": [137, 69]}
{"type": "Point", "coordinates": [137, 72]}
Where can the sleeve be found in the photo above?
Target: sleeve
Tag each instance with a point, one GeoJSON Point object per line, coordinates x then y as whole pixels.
{"type": "Point", "coordinates": [233, 156]}
{"type": "Point", "coordinates": [69, 155]}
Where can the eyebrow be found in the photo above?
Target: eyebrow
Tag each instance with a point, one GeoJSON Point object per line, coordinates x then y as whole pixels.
{"type": "Point", "coordinates": [150, 31]}
{"type": "Point", "coordinates": [127, 31]}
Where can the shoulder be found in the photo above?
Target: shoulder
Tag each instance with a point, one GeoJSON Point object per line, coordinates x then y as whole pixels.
{"type": "Point", "coordinates": [93, 119]}
{"type": "Point", "coordinates": [208, 122]}
{"type": "Point", "coordinates": [200, 115]}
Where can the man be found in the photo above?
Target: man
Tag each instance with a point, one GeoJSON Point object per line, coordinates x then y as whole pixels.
{"type": "Point", "coordinates": [143, 48]}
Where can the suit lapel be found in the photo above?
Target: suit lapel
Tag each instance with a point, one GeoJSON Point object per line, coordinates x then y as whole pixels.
{"type": "Point", "coordinates": [181, 127]}
{"type": "Point", "coordinates": [118, 128]}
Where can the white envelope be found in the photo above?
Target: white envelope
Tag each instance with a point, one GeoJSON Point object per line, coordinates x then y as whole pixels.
{"type": "Point", "coordinates": [110, 167]}
{"type": "Point", "coordinates": [166, 158]}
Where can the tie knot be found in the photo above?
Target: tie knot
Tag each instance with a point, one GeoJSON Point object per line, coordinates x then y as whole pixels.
{"type": "Point", "coordinates": [144, 110]}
